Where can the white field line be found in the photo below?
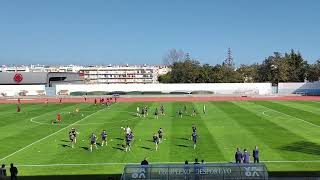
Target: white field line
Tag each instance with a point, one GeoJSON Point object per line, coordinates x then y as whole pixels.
{"type": "Point", "coordinates": [289, 116]}
{"type": "Point", "coordinates": [103, 164]}
{"type": "Point", "coordinates": [48, 136]}
{"type": "Point", "coordinates": [43, 115]}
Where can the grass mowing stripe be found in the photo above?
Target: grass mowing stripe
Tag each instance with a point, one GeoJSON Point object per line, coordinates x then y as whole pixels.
{"type": "Point", "coordinates": [305, 105]}
{"type": "Point", "coordinates": [300, 128]}
{"type": "Point", "coordinates": [48, 136]}
{"type": "Point", "coordinates": [212, 145]}
{"type": "Point", "coordinates": [265, 131]}
{"type": "Point", "coordinates": [291, 112]}
{"type": "Point", "coordinates": [232, 133]}
{"type": "Point", "coordinates": [123, 163]}
{"type": "Point", "coordinates": [271, 109]}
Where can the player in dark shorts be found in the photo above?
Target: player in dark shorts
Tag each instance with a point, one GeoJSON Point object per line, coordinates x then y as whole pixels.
{"type": "Point", "coordinates": [156, 140]}
{"type": "Point", "coordinates": [72, 138]}
{"type": "Point", "coordinates": [160, 135]}
{"type": "Point", "coordinates": [146, 110]}
{"type": "Point", "coordinates": [129, 138]}
{"type": "Point", "coordinates": [180, 113]}
{"type": "Point", "coordinates": [74, 132]}
{"type": "Point", "coordinates": [104, 138]}
{"type": "Point", "coordinates": [93, 141]}
{"type": "Point", "coordinates": [156, 113]}
{"type": "Point", "coordinates": [194, 139]}
{"type": "Point", "coordinates": [142, 112]}
{"type": "Point", "coordinates": [185, 109]}
{"type": "Point", "coordinates": [194, 128]}
{"type": "Point", "coordinates": [193, 111]}
{"type": "Point", "coordinates": [162, 110]}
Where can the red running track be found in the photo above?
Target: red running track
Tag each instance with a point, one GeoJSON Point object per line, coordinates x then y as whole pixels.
{"type": "Point", "coordinates": [162, 99]}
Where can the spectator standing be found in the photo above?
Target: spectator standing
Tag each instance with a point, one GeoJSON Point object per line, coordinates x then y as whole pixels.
{"type": "Point", "coordinates": [238, 156]}
{"type": "Point", "coordinates": [255, 155]}
{"type": "Point", "coordinates": [13, 172]}
{"type": "Point", "coordinates": [196, 169]}
{"type": "Point", "coordinates": [246, 157]}
{"type": "Point", "coordinates": [3, 171]}
{"type": "Point", "coordinates": [186, 170]}
{"type": "Point", "coordinates": [144, 162]}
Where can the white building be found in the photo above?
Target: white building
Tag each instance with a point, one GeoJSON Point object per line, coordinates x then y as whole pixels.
{"type": "Point", "coordinates": [143, 74]}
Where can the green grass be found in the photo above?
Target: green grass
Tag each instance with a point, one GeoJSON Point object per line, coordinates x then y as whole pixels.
{"type": "Point", "coordinates": [287, 134]}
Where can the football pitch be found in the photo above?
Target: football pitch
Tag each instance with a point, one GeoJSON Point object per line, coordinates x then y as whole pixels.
{"type": "Point", "coordinates": [286, 132]}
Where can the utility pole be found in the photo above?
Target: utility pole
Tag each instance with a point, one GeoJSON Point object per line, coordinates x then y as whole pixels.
{"type": "Point", "coordinates": [229, 60]}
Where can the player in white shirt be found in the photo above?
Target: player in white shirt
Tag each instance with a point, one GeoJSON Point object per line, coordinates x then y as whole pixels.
{"type": "Point", "coordinates": [128, 130]}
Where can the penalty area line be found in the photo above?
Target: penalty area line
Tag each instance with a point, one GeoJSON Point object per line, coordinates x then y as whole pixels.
{"type": "Point", "coordinates": [307, 122]}
{"type": "Point", "coordinates": [48, 136]}
{"type": "Point", "coordinates": [110, 164]}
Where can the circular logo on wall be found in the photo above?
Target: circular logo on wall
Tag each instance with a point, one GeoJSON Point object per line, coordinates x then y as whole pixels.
{"type": "Point", "coordinates": [18, 77]}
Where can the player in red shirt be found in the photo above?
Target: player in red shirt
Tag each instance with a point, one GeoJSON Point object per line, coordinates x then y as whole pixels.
{"type": "Point", "coordinates": [60, 100]}
{"type": "Point", "coordinates": [95, 101]}
{"type": "Point", "coordinates": [59, 117]}
{"type": "Point", "coordinates": [19, 101]}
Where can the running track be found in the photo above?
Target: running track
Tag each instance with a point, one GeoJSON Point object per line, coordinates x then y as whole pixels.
{"type": "Point", "coordinates": [162, 99]}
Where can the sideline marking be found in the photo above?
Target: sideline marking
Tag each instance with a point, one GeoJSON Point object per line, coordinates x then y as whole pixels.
{"type": "Point", "coordinates": [97, 164]}
{"type": "Point", "coordinates": [48, 136]}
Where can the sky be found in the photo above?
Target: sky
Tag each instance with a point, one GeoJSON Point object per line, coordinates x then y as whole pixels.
{"type": "Point", "coordinates": [143, 31]}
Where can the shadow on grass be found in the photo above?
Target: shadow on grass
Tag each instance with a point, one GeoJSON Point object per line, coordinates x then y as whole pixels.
{"type": "Point", "coordinates": [181, 145]}
{"type": "Point", "coordinates": [303, 147]}
{"type": "Point", "coordinates": [65, 140]}
{"type": "Point", "coordinates": [185, 139]}
{"type": "Point", "coordinates": [64, 145]}
{"type": "Point", "coordinates": [149, 140]}
{"type": "Point", "coordinates": [119, 138]}
{"type": "Point", "coordinates": [144, 147]}
{"type": "Point", "coordinates": [85, 148]}
{"type": "Point", "coordinates": [122, 145]}
{"type": "Point", "coordinates": [118, 148]}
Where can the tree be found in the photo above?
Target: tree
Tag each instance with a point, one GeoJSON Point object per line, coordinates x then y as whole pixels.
{"type": "Point", "coordinates": [273, 69]}
{"type": "Point", "coordinates": [276, 68]}
{"type": "Point", "coordinates": [166, 78]}
{"type": "Point", "coordinates": [206, 74]}
{"type": "Point", "coordinates": [173, 56]}
{"type": "Point", "coordinates": [313, 71]}
{"type": "Point", "coordinates": [297, 66]}
{"type": "Point", "coordinates": [249, 73]}
{"type": "Point", "coordinates": [185, 72]}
